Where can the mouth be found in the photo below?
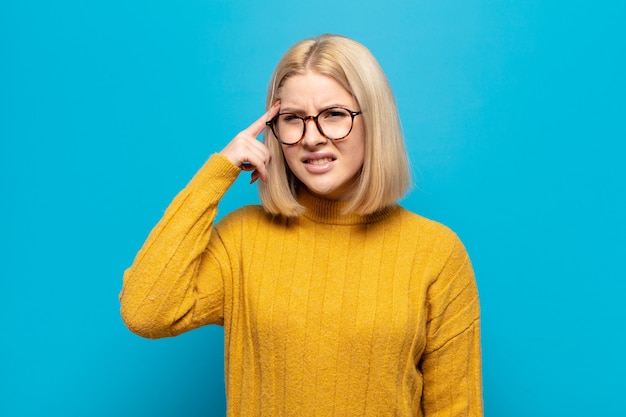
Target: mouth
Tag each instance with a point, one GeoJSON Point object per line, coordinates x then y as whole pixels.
{"type": "Point", "coordinates": [319, 161]}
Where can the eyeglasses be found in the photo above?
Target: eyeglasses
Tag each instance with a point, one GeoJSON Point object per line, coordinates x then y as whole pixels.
{"type": "Point", "coordinates": [334, 123]}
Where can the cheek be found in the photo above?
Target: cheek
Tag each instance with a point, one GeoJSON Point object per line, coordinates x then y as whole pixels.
{"type": "Point", "coordinates": [358, 148]}
{"type": "Point", "coordinates": [358, 140]}
{"type": "Point", "coordinates": [290, 156]}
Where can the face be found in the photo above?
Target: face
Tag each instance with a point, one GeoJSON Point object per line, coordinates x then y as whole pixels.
{"type": "Point", "coordinates": [326, 168]}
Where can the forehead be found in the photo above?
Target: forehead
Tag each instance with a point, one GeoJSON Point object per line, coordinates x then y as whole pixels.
{"type": "Point", "coordinates": [313, 90]}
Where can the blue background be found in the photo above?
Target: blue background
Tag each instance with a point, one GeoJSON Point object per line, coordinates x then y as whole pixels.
{"type": "Point", "coordinates": [514, 117]}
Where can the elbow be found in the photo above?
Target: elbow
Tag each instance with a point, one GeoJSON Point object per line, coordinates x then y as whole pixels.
{"type": "Point", "coordinates": [142, 325]}
{"type": "Point", "coordinates": [139, 327]}
{"type": "Point", "coordinates": [141, 318]}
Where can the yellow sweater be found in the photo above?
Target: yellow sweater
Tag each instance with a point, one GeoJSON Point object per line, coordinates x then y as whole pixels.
{"type": "Point", "coordinates": [324, 315]}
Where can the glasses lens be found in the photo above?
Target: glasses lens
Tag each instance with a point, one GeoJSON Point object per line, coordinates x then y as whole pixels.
{"type": "Point", "coordinates": [288, 128]}
{"type": "Point", "coordinates": [335, 123]}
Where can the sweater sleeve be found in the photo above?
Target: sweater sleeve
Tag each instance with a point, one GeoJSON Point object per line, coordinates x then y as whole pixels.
{"type": "Point", "coordinates": [451, 362]}
{"type": "Point", "coordinates": [175, 283]}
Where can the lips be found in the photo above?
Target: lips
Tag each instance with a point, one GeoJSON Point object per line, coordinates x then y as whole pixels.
{"type": "Point", "coordinates": [321, 161]}
{"type": "Point", "coordinates": [319, 158]}
{"type": "Point", "coordinates": [318, 163]}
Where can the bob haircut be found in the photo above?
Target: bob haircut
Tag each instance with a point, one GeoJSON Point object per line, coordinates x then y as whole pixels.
{"type": "Point", "coordinates": [385, 175]}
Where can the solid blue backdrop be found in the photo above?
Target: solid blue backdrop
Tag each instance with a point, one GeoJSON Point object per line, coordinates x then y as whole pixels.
{"type": "Point", "coordinates": [513, 114]}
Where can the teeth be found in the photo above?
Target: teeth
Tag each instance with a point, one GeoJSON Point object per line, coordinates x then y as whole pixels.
{"type": "Point", "coordinates": [319, 161]}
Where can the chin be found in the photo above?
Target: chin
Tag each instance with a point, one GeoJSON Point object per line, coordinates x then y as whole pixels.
{"type": "Point", "coordinates": [328, 193]}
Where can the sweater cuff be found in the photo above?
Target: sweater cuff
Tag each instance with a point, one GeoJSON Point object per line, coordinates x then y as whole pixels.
{"type": "Point", "coordinates": [215, 177]}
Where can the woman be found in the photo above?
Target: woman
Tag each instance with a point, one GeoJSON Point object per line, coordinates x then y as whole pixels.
{"type": "Point", "coordinates": [334, 299]}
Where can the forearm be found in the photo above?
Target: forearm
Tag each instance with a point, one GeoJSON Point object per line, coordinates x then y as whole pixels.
{"type": "Point", "coordinates": [159, 289]}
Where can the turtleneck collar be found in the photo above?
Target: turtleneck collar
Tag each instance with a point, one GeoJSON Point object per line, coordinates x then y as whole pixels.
{"type": "Point", "coordinates": [321, 210]}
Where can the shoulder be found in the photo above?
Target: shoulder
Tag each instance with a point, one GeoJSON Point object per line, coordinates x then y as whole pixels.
{"type": "Point", "coordinates": [429, 236]}
{"type": "Point", "coordinates": [247, 214]}
{"type": "Point", "coordinates": [250, 216]}
{"type": "Point", "coordinates": [424, 227]}
{"type": "Point", "coordinates": [234, 226]}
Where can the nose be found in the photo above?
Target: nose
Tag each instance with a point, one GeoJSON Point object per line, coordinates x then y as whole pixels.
{"type": "Point", "coordinates": [312, 135]}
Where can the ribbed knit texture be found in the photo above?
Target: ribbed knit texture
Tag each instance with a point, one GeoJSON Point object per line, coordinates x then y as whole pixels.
{"type": "Point", "coordinates": [325, 314]}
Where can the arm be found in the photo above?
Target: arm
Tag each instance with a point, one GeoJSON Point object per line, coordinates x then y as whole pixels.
{"type": "Point", "coordinates": [176, 281]}
{"type": "Point", "coordinates": [451, 363]}
{"type": "Point", "coordinates": [161, 296]}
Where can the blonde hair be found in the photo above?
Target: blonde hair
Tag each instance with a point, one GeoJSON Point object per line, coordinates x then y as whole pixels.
{"type": "Point", "coordinates": [385, 176]}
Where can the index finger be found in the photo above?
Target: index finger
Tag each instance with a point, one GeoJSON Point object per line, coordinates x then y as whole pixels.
{"type": "Point", "coordinates": [257, 127]}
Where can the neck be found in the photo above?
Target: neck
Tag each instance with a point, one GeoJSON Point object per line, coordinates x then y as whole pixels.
{"type": "Point", "coordinates": [322, 210]}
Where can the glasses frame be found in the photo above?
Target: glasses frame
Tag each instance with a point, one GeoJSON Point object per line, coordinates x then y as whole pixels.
{"type": "Point", "coordinates": [271, 123]}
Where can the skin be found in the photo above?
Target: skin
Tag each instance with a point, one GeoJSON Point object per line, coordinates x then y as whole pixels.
{"type": "Point", "coordinates": [326, 168]}
{"type": "Point", "coordinates": [246, 152]}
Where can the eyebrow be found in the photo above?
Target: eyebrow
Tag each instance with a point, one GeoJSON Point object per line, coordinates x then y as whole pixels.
{"type": "Point", "coordinates": [297, 110]}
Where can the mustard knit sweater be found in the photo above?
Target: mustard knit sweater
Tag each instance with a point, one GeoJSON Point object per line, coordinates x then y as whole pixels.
{"type": "Point", "coordinates": [324, 315]}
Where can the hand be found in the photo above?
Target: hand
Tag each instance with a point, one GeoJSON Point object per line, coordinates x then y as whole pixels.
{"type": "Point", "coordinates": [247, 152]}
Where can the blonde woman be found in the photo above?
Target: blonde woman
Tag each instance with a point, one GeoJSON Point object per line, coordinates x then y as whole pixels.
{"type": "Point", "coordinates": [335, 300]}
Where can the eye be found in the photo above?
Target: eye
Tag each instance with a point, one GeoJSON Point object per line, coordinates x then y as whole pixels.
{"type": "Point", "coordinates": [335, 114]}
{"type": "Point", "coordinates": [289, 118]}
